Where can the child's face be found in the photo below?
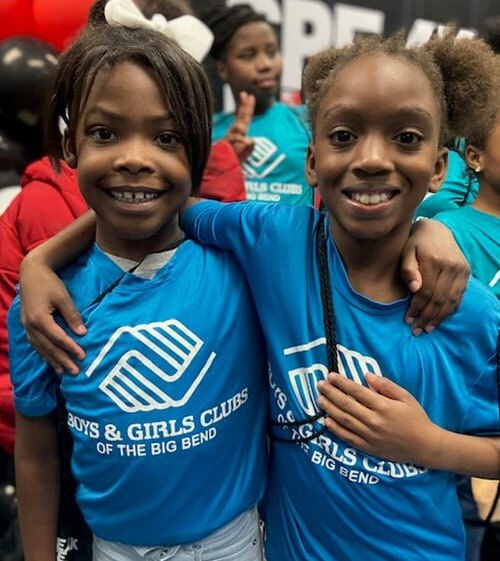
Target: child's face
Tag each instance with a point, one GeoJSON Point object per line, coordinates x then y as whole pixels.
{"type": "Point", "coordinates": [132, 167]}
{"type": "Point", "coordinates": [252, 62]}
{"type": "Point", "coordinates": [375, 152]}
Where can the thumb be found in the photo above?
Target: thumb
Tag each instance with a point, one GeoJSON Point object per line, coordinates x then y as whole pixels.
{"type": "Point", "coordinates": [410, 271]}
{"type": "Point", "coordinates": [386, 387]}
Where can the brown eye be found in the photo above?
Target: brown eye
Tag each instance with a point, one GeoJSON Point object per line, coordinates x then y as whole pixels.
{"type": "Point", "coordinates": [409, 138]}
{"type": "Point", "coordinates": [101, 134]}
{"type": "Point", "coordinates": [342, 137]}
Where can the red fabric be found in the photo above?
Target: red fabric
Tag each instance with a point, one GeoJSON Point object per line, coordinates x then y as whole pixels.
{"type": "Point", "coordinates": [223, 178]}
{"type": "Point", "coordinates": [47, 203]}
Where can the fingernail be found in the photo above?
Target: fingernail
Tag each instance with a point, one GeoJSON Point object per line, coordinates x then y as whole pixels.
{"type": "Point", "coordinates": [409, 319]}
{"type": "Point", "coordinates": [332, 376]}
{"type": "Point", "coordinates": [417, 331]}
{"type": "Point", "coordinates": [413, 286]}
{"type": "Point", "coordinates": [321, 384]}
{"type": "Point", "coordinates": [81, 330]}
{"type": "Point", "coordinates": [430, 328]}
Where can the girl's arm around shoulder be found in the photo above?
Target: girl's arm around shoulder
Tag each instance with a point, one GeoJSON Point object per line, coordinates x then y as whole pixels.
{"type": "Point", "coordinates": [37, 484]}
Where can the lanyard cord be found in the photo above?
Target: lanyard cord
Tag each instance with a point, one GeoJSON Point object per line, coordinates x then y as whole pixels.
{"type": "Point", "coordinates": [330, 333]}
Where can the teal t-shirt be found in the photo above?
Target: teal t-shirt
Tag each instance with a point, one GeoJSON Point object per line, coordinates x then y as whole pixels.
{"type": "Point", "coordinates": [453, 192]}
{"type": "Point", "coordinates": [478, 235]}
{"type": "Point", "coordinates": [275, 171]}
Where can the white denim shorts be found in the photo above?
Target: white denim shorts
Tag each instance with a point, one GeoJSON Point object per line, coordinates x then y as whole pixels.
{"type": "Point", "coordinates": [239, 540]}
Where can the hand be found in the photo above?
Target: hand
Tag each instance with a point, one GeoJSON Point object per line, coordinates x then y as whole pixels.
{"type": "Point", "coordinates": [384, 421]}
{"type": "Point", "coordinates": [43, 293]}
{"type": "Point", "coordinates": [436, 271]}
{"type": "Point", "coordinates": [237, 133]}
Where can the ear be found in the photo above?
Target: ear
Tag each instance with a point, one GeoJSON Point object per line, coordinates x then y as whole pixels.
{"type": "Point", "coordinates": [311, 175]}
{"type": "Point", "coordinates": [68, 150]}
{"type": "Point", "coordinates": [440, 170]}
{"type": "Point", "coordinates": [474, 158]}
{"type": "Point", "coordinates": [221, 68]}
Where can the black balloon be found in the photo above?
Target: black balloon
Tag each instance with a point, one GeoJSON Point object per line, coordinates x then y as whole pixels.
{"type": "Point", "coordinates": [27, 69]}
{"type": "Point", "coordinates": [13, 159]}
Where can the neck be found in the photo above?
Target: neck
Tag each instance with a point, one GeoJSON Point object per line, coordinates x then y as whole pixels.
{"type": "Point", "coordinates": [487, 200]}
{"type": "Point", "coordinates": [373, 265]}
{"type": "Point", "coordinates": [138, 249]}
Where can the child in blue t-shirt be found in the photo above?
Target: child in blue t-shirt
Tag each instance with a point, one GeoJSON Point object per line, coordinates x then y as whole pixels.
{"type": "Point", "coordinates": [169, 449]}
{"type": "Point", "coordinates": [381, 115]}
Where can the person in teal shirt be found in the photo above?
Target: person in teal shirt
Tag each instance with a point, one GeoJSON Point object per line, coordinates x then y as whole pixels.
{"type": "Point", "coordinates": [476, 227]}
{"type": "Point", "coordinates": [270, 138]}
{"type": "Point", "coordinates": [458, 189]}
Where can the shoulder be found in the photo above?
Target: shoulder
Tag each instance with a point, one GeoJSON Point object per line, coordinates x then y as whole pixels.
{"type": "Point", "coordinates": [453, 216]}
{"type": "Point", "coordinates": [480, 308]}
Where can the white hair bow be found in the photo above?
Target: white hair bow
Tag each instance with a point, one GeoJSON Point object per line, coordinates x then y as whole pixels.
{"type": "Point", "coordinates": [188, 32]}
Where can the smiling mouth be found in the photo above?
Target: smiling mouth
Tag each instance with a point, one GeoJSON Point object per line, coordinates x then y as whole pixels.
{"type": "Point", "coordinates": [370, 199]}
{"type": "Point", "coordinates": [133, 197]}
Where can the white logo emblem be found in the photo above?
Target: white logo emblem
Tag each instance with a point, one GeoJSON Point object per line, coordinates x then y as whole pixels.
{"type": "Point", "coordinates": [494, 280]}
{"type": "Point", "coordinates": [303, 380]}
{"type": "Point", "coordinates": [263, 160]}
{"type": "Point", "coordinates": [157, 371]}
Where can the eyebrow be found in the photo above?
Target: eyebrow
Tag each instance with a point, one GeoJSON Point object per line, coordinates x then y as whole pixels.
{"type": "Point", "coordinates": [408, 111]}
{"type": "Point", "coordinates": [113, 116]}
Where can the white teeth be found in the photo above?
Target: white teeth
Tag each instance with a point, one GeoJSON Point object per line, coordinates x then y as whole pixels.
{"type": "Point", "coordinates": [370, 199]}
{"type": "Point", "coordinates": [133, 196]}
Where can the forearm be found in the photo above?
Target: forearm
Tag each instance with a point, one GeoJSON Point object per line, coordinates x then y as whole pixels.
{"type": "Point", "coordinates": [37, 485]}
{"type": "Point", "coordinates": [65, 246]}
{"type": "Point", "coordinates": [477, 456]}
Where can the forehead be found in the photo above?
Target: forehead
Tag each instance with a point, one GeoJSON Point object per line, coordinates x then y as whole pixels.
{"type": "Point", "coordinates": [378, 84]}
{"type": "Point", "coordinates": [251, 34]}
{"type": "Point", "coordinates": [126, 82]}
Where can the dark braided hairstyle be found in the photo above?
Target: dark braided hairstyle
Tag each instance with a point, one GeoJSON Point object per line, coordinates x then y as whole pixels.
{"type": "Point", "coordinates": [462, 73]}
{"type": "Point", "coordinates": [225, 21]}
{"type": "Point", "coordinates": [181, 79]}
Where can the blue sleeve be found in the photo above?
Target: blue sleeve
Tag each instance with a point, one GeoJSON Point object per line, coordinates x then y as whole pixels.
{"type": "Point", "coordinates": [234, 227]}
{"type": "Point", "coordinates": [483, 412]}
{"type": "Point", "coordinates": [33, 380]}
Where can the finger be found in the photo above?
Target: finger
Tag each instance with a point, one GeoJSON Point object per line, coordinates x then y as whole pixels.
{"type": "Point", "coordinates": [430, 273]}
{"type": "Point", "coordinates": [446, 298]}
{"type": "Point", "coordinates": [47, 330]}
{"type": "Point", "coordinates": [347, 436]}
{"type": "Point", "coordinates": [335, 399]}
{"type": "Point", "coordinates": [386, 387]}
{"type": "Point", "coordinates": [245, 110]}
{"type": "Point", "coordinates": [358, 392]}
{"type": "Point", "coordinates": [72, 317]}
{"type": "Point", "coordinates": [410, 271]}
{"type": "Point", "coordinates": [341, 416]}
{"type": "Point", "coordinates": [55, 356]}
{"type": "Point", "coordinates": [452, 302]}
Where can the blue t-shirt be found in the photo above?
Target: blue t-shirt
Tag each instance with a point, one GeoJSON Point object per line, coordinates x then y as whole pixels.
{"type": "Point", "coordinates": [168, 412]}
{"type": "Point", "coordinates": [274, 172]}
{"type": "Point", "coordinates": [453, 192]}
{"type": "Point", "coordinates": [478, 235]}
{"type": "Point", "coordinates": [327, 500]}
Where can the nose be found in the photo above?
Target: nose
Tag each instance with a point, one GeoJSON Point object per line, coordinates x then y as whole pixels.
{"type": "Point", "coordinates": [373, 156]}
{"type": "Point", "coordinates": [133, 157]}
{"type": "Point", "coordinates": [264, 62]}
